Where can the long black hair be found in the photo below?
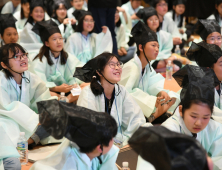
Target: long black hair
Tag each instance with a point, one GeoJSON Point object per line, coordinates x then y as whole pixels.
{"type": "Point", "coordinates": [216, 13]}
{"type": "Point", "coordinates": [44, 51]}
{"type": "Point", "coordinates": [22, 12]}
{"type": "Point", "coordinates": [4, 56]}
{"type": "Point", "coordinates": [79, 27]}
{"type": "Point", "coordinates": [181, 16]}
{"type": "Point", "coordinates": [102, 61]}
{"type": "Point", "coordinates": [56, 6]}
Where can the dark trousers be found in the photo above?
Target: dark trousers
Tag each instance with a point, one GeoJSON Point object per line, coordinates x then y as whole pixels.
{"type": "Point", "coordinates": [105, 17]}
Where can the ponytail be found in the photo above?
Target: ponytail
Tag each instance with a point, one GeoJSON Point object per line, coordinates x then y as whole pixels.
{"type": "Point", "coordinates": [96, 88]}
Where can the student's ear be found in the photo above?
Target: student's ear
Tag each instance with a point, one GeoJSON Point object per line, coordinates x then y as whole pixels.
{"type": "Point", "coordinates": [98, 73]}
{"type": "Point", "coordinates": [3, 65]}
{"type": "Point", "coordinates": [174, 7]}
{"type": "Point", "coordinates": [180, 110]}
{"type": "Point", "coordinates": [46, 43]}
{"type": "Point", "coordinates": [98, 149]}
{"type": "Point", "coordinates": [216, 6]}
{"type": "Point", "coordinates": [140, 47]}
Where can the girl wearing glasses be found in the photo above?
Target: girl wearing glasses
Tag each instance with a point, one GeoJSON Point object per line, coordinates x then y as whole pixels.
{"type": "Point", "coordinates": [209, 55]}
{"type": "Point", "coordinates": [105, 95]}
{"type": "Point", "coordinates": [53, 65]}
{"type": "Point", "coordinates": [8, 30]}
{"type": "Point", "coordinates": [141, 80]}
{"type": "Point", "coordinates": [209, 31]}
{"type": "Point", "coordinates": [60, 18]}
{"type": "Point", "coordinates": [20, 90]}
{"type": "Point", "coordinates": [85, 44]}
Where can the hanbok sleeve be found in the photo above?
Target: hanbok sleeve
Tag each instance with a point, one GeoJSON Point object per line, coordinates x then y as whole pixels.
{"type": "Point", "coordinates": [28, 36]}
{"type": "Point", "coordinates": [132, 116]}
{"type": "Point", "coordinates": [39, 68]}
{"type": "Point", "coordinates": [41, 92]}
{"type": "Point", "coordinates": [109, 159]}
{"type": "Point", "coordinates": [66, 32]}
{"type": "Point", "coordinates": [121, 38]}
{"type": "Point", "coordinates": [72, 63]}
{"type": "Point", "coordinates": [104, 43]}
{"type": "Point", "coordinates": [166, 45]}
{"type": "Point", "coordinates": [130, 80]}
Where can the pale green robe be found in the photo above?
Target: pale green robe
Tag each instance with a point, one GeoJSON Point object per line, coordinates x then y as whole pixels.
{"type": "Point", "coordinates": [125, 111]}
{"type": "Point", "coordinates": [144, 88]}
{"type": "Point", "coordinates": [18, 110]}
{"type": "Point", "coordinates": [56, 74]}
{"type": "Point", "coordinates": [210, 138]}
{"type": "Point", "coordinates": [68, 157]}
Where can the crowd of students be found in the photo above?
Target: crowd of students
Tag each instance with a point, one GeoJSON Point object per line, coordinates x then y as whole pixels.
{"type": "Point", "coordinates": [112, 98]}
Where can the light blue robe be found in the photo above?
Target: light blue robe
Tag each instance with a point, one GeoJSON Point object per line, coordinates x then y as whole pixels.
{"type": "Point", "coordinates": [125, 111]}
{"type": "Point", "coordinates": [8, 8]}
{"type": "Point", "coordinates": [165, 41]}
{"type": "Point", "coordinates": [144, 88]}
{"type": "Point", "coordinates": [130, 11]}
{"type": "Point", "coordinates": [177, 22]}
{"type": "Point", "coordinates": [18, 110]}
{"type": "Point", "coordinates": [84, 49]}
{"type": "Point", "coordinates": [66, 32]}
{"type": "Point", "coordinates": [170, 26]}
{"type": "Point", "coordinates": [56, 74]}
{"type": "Point", "coordinates": [68, 157]}
{"type": "Point", "coordinates": [210, 138]}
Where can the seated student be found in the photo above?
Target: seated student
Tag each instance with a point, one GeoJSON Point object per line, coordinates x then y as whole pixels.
{"type": "Point", "coordinates": [22, 15]}
{"type": "Point", "coordinates": [76, 5]}
{"type": "Point", "coordinates": [89, 143]}
{"type": "Point", "coordinates": [166, 23]}
{"type": "Point", "coordinates": [218, 13]}
{"type": "Point", "coordinates": [53, 65]}
{"type": "Point", "coordinates": [132, 7]}
{"type": "Point", "coordinates": [209, 31]}
{"type": "Point", "coordinates": [165, 40]}
{"type": "Point", "coordinates": [125, 52]}
{"type": "Point", "coordinates": [193, 116]}
{"type": "Point", "coordinates": [209, 55]}
{"type": "Point", "coordinates": [141, 80]}
{"type": "Point", "coordinates": [19, 92]}
{"type": "Point", "coordinates": [11, 7]}
{"type": "Point", "coordinates": [177, 14]}
{"type": "Point", "coordinates": [60, 18]}
{"type": "Point", "coordinates": [105, 95]}
{"type": "Point", "coordinates": [37, 14]}
{"type": "Point", "coordinates": [172, 150]}
{"type": "Point", "coordinates": [8, 30]}
{"type": "Point", "coordinates": [85, 44]}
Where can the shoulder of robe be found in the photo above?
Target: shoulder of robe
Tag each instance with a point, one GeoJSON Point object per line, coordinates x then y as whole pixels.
{"type": "Point", "coordinates": [214, 127]}
{"type": "Point", "coordinates": [3, 79]}
{"type": "Point", "coordinates": [17, 15]}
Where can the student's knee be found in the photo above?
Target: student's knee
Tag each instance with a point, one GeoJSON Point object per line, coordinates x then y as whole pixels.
{"type": "Point", "coordinates": [12, 164]}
